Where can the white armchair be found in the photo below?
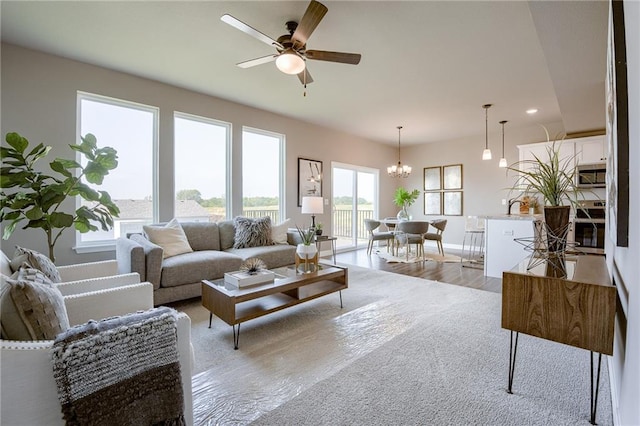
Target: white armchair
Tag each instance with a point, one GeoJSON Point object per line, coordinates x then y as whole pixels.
{"type": "Point", "coordinates": [28, 391]}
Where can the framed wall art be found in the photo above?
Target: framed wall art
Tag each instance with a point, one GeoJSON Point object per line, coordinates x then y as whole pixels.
{"type": "Point", "coordinates": [432, 178]}
{"type": "Point", "coordinates": [432, 203]}
{"type": "Point", "coordinates": [452, 203]}
{"type": "Point", "coordinates": [309, 179]}
{"type": "Point", "coordinates": [452, 177]}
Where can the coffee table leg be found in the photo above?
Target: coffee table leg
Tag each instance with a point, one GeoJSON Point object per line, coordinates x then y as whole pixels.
{"type": "Point", "coordinates": [236, 336]}
{"type": "Point", "coordinates": [210, 317]}
{"type": "Point", "coordinates": [340, 292]}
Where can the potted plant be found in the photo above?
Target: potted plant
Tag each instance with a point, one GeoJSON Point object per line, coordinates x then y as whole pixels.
{"type": "Point", "coordinates": [37, 197]}
{"type": "Point", "coordinates": [554, 179]}
{"type": "Point", "coordinates": [318, 228]}
{"type": "Point", "coordinates": [404, 199]}
{"type": "Point", "coordinates": [306, 249]}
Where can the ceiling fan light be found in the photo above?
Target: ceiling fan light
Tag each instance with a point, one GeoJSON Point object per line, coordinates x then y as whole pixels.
{"type": "Point", "coordinates": [290, 63]}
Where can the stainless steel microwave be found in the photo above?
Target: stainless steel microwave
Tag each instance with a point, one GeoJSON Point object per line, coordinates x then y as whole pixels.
{"type": "Point", "coordinates": [591, 175]}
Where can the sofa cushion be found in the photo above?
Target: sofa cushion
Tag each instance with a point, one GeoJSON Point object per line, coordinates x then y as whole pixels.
{"type": "Point", "coordinates": [274, 256]}
{"type": "Point", "coordinates": [194, 267]}
{"type": "Point", "coordinates": [227, 234]}
{"type": "Point", "coordinates": [279, 232]}
{"type": "Point", "coordinates": [170, 237]}
{"type": "Point", "coordinates": [25, 258]}
{"type": "Point", "coordinates": [252, 232]}
{"type": "Point", "coordinates": [32, 308]}
{"type": "Point", "coordinates": [202, 235]}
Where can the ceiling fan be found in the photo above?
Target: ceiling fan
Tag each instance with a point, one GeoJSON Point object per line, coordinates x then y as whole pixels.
{"type": "Point", "coordinates": [291, 48]}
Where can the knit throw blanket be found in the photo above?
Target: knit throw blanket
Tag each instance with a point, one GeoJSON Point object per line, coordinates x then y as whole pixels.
{"type": "Point", "coordinates": [122, 370]}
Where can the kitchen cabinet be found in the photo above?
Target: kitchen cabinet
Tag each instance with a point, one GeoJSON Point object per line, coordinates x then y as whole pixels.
{"type": "Point", "coordinates": [591, 150]}
{"type": "Point", "coordinates": [530, 151]}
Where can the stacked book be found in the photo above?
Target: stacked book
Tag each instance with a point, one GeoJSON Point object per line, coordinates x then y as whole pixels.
{"type": "Point", "coordinates": [243, 279]}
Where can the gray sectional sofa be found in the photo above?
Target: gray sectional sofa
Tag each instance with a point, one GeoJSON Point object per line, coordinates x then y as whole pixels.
{"type": "Point", "coordinates": [179, 277]}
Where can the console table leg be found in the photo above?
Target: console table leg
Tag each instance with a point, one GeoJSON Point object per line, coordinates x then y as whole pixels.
{"type": "Point", "coordinates": [340, 292]}
{"type": "Point", "coordinates": [594, 392]}
{"type": "Point", "coordinates": [513, 349]}
{"type": "Point", "coordinates": [210, 317]}
{"type": "Point", "coordinates": [236, 336]}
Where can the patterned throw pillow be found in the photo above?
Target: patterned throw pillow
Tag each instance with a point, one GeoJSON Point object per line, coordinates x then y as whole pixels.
{"type": "Point", "coordinates": [25, 258]}
{"type": "Point", "coordinates": [32, 308]}
{"type": "Point", "coordinates": [252, 232]}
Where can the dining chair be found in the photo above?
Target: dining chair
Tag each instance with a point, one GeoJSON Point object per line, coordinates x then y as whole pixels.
{"type": "Point", "coordinates": [371, 226]}
{"type": "Point", "coordinates": [440, 225]}
{"type": "Point", "coordinates": [412, 232]}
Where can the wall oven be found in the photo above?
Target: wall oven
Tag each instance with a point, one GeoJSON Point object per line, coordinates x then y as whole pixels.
{"type": "Point", "coordinates": [589, 229]}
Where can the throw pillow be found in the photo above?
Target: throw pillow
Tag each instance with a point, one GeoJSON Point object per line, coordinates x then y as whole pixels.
{"type": "Point", "coordinates": [25, 258]}
{"type": "Point", "coordinates": [252, 232]}
{"type": "Point", "coordinates": [32, 307]}
{"type": "Point", "coordinates": [171, 238]}
{"type": "Point", "coordinates": [279, 232]}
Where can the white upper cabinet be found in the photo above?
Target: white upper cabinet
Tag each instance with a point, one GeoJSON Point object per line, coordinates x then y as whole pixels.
{"type": "Point", "coordinates": [540, 150]}
{"type": "Point", "coordinates": [591, 150]}
{"type": "Point", "coordinates": [581, 150]}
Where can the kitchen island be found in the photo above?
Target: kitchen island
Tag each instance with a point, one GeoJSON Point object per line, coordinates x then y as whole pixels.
{"type": "Point", "coordinates": [501, 252]}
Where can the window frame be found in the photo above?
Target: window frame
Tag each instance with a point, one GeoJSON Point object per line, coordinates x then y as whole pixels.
{"type": "Point", "coordinates": [282, 167]}
{"type": "Point", "coordinates": [228, 157]}
{"type": "Point", "coordinates": [109, 245]}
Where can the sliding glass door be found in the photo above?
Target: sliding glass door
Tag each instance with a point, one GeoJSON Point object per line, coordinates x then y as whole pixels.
{"type": "Point", "coordinates": [354, 198]}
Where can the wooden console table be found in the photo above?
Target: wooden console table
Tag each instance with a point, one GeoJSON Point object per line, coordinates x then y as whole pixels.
{"type": "Point", "coordinates": [578, 310]}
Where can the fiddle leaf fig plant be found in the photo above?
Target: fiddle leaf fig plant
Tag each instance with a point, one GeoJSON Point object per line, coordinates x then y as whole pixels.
{"type": "Point", "coordinates": [35, 196]}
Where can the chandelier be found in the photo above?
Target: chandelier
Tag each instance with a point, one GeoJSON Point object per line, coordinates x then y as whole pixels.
{"type": "Point", "coordinates": [399, 170]}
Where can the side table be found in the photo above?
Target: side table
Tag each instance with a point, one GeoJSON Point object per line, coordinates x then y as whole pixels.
{"type": "Point", "coordinates": [322, 238]}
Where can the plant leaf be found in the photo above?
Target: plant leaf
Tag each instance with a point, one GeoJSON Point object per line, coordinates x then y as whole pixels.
{"type": "Point", "coordinates": [17, 142]}
{"type": "Point", "coordinates": [60, 220]}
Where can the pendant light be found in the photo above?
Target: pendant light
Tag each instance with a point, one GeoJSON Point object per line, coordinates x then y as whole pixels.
{"type": "Point", "coordinates": [503, 161]}
{"type": "Point", "coordinates": [486, 154]}
{"type": "Point", "coordinates": [399, 170]}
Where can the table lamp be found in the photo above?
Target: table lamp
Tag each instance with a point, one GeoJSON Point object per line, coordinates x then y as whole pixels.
{"type": "Point", "coordinates": [312, 206]}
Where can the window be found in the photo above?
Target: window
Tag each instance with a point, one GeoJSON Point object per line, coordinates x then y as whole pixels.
{"type": "Point", "coordinates": [262, 174]}
{"type": "Point", "coordinates": [131, 129]}
{"type": "Point", "coordinates": [201, 164]}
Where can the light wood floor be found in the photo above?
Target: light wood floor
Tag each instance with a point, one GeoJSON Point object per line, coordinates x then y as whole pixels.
{"type": "Point", "coordinates": [451, 273]}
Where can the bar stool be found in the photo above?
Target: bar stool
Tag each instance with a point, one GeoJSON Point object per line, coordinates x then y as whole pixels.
{"type": "Point", "coordinates": [474, 236]}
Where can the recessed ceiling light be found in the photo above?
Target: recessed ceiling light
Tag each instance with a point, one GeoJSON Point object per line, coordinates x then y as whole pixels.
{"type": "Point", "coordinates": [532, 111]}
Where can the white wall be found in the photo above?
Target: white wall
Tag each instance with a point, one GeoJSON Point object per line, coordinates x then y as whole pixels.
{"type": "Point", "coordinates": [39, 102]}
{"type": "Point", "coordinates": [624, 261]}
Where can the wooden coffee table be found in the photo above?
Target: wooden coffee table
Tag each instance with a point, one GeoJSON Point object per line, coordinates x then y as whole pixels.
{"type": "Point", "coordinates": [234, 305]}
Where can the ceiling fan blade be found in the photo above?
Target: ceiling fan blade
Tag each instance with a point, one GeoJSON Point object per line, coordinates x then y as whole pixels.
{"type": "Point", "coordinates": [305, 77]}
{"type": "Point", "coordinates": [310, 20]}
{"type": "Point", "coordinates": [236, 23]}
{"type": "Point", "coordinates": [257, 61]}
{"type": "Point", "coordinates": [323, 55]}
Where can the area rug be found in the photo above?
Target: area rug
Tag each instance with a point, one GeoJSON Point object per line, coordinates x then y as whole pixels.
{"type": "Point", "coordinates": [429, 256]}
{"type": "Point", "coordinates": [403, 350]}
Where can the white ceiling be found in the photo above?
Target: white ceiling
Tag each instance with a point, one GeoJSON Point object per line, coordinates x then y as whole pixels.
{"type": "Point", "coordinates": [429, 66]}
